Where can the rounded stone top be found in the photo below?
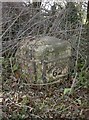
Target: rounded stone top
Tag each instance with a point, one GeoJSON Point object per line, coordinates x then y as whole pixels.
{"type": "Point", "coordinates": [43, 59]}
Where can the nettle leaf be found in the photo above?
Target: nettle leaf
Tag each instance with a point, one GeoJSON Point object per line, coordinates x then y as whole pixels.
{"type": "Point", "coordinates": [67, 91]}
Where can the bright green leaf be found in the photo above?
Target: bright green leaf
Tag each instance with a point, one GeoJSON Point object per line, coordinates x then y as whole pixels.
{"type": "Point", "coordinates": [15, 67]}
{"type": "Point", "coordinates": [67, 90]}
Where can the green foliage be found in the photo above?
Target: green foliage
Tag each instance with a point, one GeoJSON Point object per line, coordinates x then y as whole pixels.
{"type": "Point", "coordinates": [83, 79]}
{"type": "Point", "coordinates": [67, 91]}
{"type": "Point", "coordinates": [15, 67]}
{"type": "Point", "coordinates": [82, 74]}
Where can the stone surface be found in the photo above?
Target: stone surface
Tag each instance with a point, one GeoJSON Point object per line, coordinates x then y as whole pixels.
{"type": "Point", "coordinates": [44, 59]}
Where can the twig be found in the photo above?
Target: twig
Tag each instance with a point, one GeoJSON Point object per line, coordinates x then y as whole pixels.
{"type": "Point", "coordinates": [76, 63]}
{"type": "Point", "coordinates": [11, 25]}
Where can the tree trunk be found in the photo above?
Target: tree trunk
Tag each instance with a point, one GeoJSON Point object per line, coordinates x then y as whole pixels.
{"type": "Point", "coordinates": [87, 33]}
{"type": "Point", "coordinates": [87, 42]}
